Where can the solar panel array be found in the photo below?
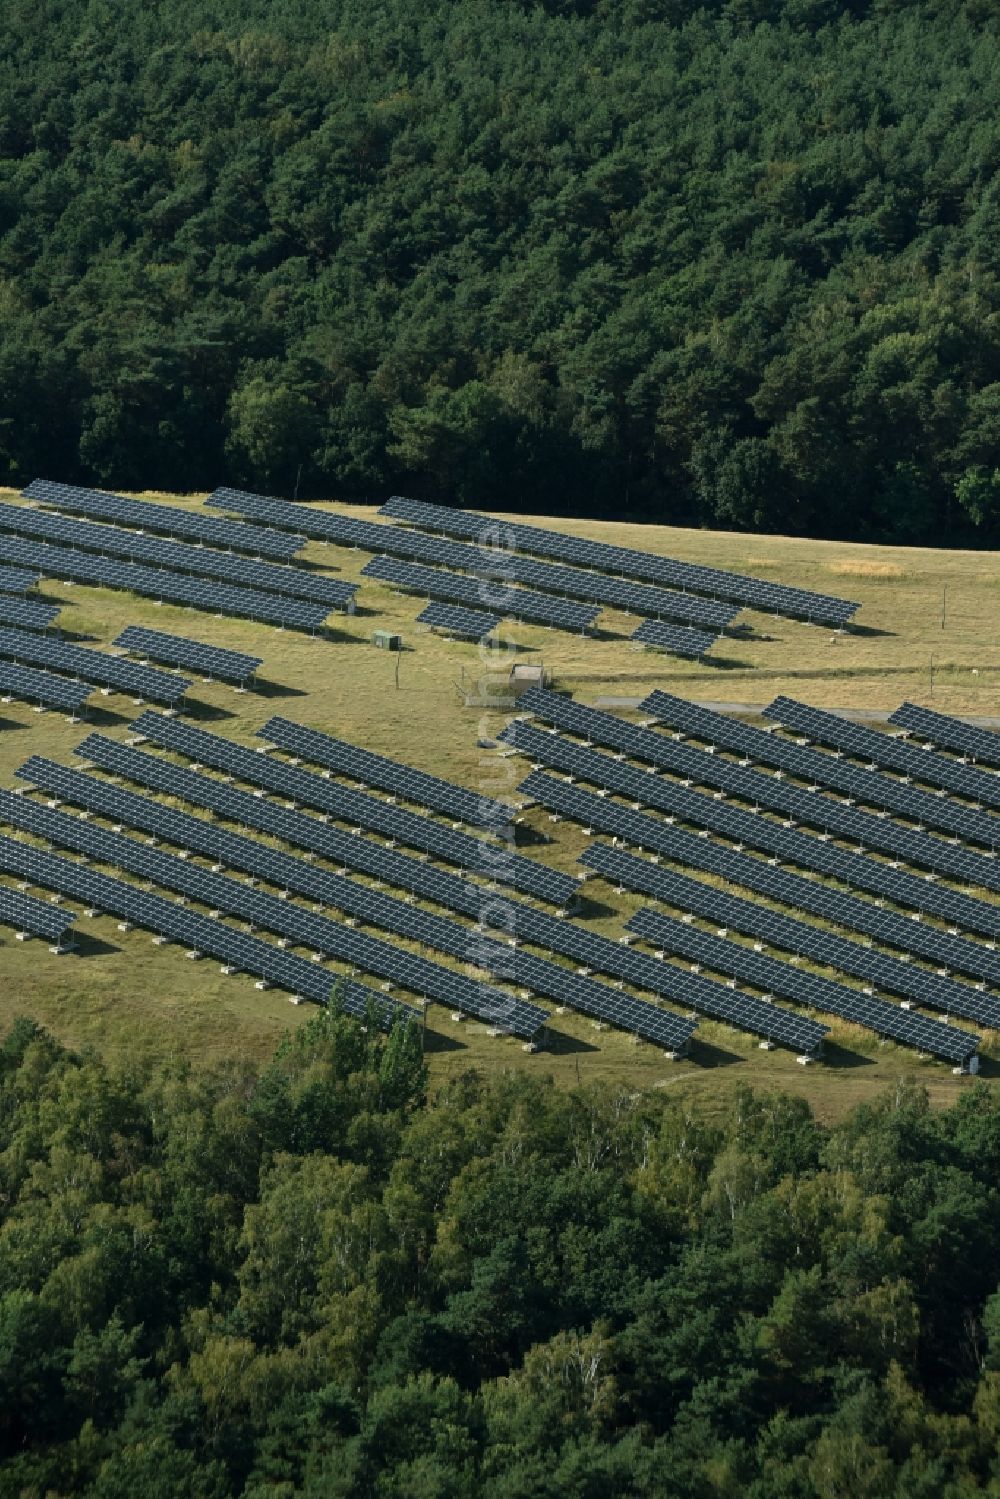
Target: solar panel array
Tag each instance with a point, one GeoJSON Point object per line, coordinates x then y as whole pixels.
{"type": "Point", "coordinates": [178, 556]}
{"type": "Point", "coordinates": [355, 807]}
{"type": "Point", "coordinates": [864, 784]}
{"type": "Point", "coordinates": [792, 802]}
{"type": "Point", "coordinates": [550, 932]}
{"type": "Point", "coordinates": [949, 733]}
{"type": "Point", "coordinates": [512, 603]}
{"type": "Point", "coordinates": [176, 650]}
{"type": "Point", "coordinates": [96, 667]}
{"type": "Point", "coordinates": [36, 917]}
{"type": "Point", "coordinates": [42, 687]}
{"type": "Point", "coordinates": [775, 977]}
{"type": "Point", "coordinates": [347, 895]}
{"type": "Point", "coordinates": [918, 938]}
{"type": "Point", "coordinates": [27, 614]}
{"type": "Point", "coordinates": [257, 541]}
{"type": "Point", "coordinates": [883, 749]}
{"type": "Point", "coordinates": [17, 580]}
{"type": "Point", "coordinates": [472, 623]}
{"type": "Point", "coordinates": [204, 935]}
{"type": "Point", "coordinates": [388, 775]}
{"type": "Point", "coordinates": [798, 603]}
{"type": "Point", "coordinates": [736, 823]}
{"type": "Point", "coordinates": [488, 559]}
{"type": "Point", "coordinates": [673, 638]}
{"type": "Point", "coordinates": [800, 937]}
{"type": "Point", "coordinates": [162, 584]}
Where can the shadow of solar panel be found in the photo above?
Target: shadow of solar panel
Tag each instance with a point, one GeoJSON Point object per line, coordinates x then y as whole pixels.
{"type": "Point", "coordinates": [29, 685]}
{"type": "Point", "coordinates": [798, 603]}
{"type": "Point", "coordinates": [95, 667]}
{"type": "Point", "coordinates": [491, 859]}
{"type": "Point", "coordinates": [672, 638]}
{"type": "Point", "coordinates": [162, 584]}
{"type": "Point", "coordinates": [950, 733]}
{"type": "Point", "coordinates": [26, 614]}
{"type": "Point", "coordinates": [470, 623]}
{"type": "Point", "coordinates": [812, 766]}
{"type": "Point", "coordinates": [882, 749]}
{"type": "Point", "coordinates": [500, 598]}
{"type": "Point", "coordinates": [175, 650]}
{"type": "Point", "coordinates": [743, 827]}
{"type": "Point", "coordinates": [169, 520]}
{"type": "Point", "coordinates": [774, 977]}
{"type": "Point", "coordinates": [759, 790]}
{"type": "Point", "coordinates": [179, 556]}
{"type": "Point", "coordinates": [34, 917]}
{"type": "Point", "coordinates": [17, 580]}
{"type": "Point", "coordinates": [910, 936]}
{"type": "Point", "coordinates": [388, 775]}
{"type": "Point", "coordinates": [203, 934]}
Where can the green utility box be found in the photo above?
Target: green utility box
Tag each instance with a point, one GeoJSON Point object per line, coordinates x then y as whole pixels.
{"type": "Point", "coordinates": [386, 641]}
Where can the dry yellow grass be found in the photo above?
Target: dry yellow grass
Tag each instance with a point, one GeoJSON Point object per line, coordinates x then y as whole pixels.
{"type": "Point", "coordinates": [121, 993]}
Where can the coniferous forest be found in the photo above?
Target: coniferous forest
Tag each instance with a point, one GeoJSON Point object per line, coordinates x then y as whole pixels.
{"type": "Point", "coordinates": [309, 1280]}
{"type": "Point", "coordinates": [730, 264]}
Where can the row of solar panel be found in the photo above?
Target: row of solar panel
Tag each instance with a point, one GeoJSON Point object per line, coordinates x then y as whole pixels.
{"type": "Point", "coordinates": [160, 584]}
{"type": "Point", "coordinates": [95, 667]}
{"type": "Point", "coordinates": [176, 556]}
{"type": "Point", "coordinates": [487, 560]}
{"type": "Point", "coordinates": [27, 614]}
{"type": "Point", "coordinates": [42, 688]}
{"type": "Point", "coordinates": [871, 787]}
{"type": "Point", "coordinates": [228, 535]}
{"type": "Point", "coordinates": [388, 775]}
{"type": "Point", "coordinates": [17, 580]}
{"type": "Point", "coordinates": [949, 733]}
{"type": "Point", "coordinates": [704, 810]}
{"type": "Point", "coordinates": [759, 790]}
{"type": "Point", "coordinates": [357, 902]}
{"type": "Point", "coordinates": [35, 918]}
{"type": "Point", "coordinates": [204, 935]}
{"type": "Point", "coordinates": [678, 641]}
{"type": "Point", "coordinates": [446, 889]}
{"type": "Point", "coordinates": [885, 750]}
{"type": "Point", "coordinates": [482, 594]}
{"type": "Point", "coordinates": [470, 624]}
{"type": "Point", "coordinates": [798, 603]}
{"type": "Point", "coordinates": [175, 650]}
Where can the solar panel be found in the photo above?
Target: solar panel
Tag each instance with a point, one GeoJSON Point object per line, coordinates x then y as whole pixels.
{"type": "Point", "coordinates": [568, 937]}
{"type": "Point", "coordinates": [493, 860]}
{"type": "Point", "coordinates": [175, 650]}
{"type": "Point", "coordinates": [950, 733]}
{"type": "Point", "coordinates": [90, 666]}
{"type": "Point", "coordinates": [792, 802]}
{"type": "Point", "coordinates": [775, 977]}
{"type": "Point", "coordinates": [354, 900]}
{"type": "Point", "coordinates": [168, 519]}
{"type": "Point", "coordinates": [27, 614]}
{"type": "Point", "coordinates": [17, 580]}
{"type": "Point", "coordinates": [388, 775]}
{"type": "Point", "coordinates": [672, 638]}
{"type": "Point", "coordinates": [869, 786]}
{"type": "Point", "coordinates": [754, 593]}
{"type": "Point", "coordinates": [891, 928]}
{"type": "Point", "coordinates": [879, 969]}
{"type": "Point", "coordinates": [743, 827]}
{"type": "Point", "coordinates": [202, 934]}
{"type": "Point", "coordinates": [35, 918]}
{"type": "Point", "coordinates": [41, 687]}
{"type": "Point", "coordinates": [508, 603]}
{"type": "Point", "coordinates": [199, 561]}
{"type": "Point", "coordinates": [488, 560]}
{"type": "Point", "coordinates": [163, 585]}
{"type": "Point", "coordinates": [472, 623]}
{"type": "Point", "coordinates": [884, 749]}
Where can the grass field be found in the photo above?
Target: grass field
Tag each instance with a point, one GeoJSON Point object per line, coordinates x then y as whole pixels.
{"type": "Point", "coordinates": [926, 631]}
